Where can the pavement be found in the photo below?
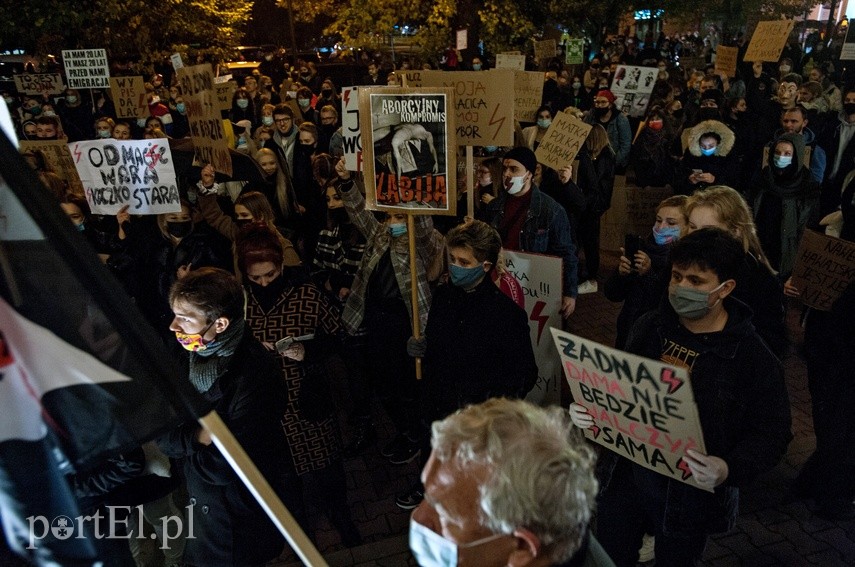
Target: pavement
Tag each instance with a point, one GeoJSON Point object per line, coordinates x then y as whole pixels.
{"type": "Point", "coordinates": [773, 527]}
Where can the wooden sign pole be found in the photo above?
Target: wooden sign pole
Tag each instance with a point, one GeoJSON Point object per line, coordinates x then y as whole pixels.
{"type": "Point", "coordinates": [470, 185]}
{"type": "Point", "coordinates": [414, 287]}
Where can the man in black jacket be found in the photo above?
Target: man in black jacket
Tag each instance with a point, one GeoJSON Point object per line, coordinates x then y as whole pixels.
{"type": "Point", "coordinates": [742, 405]}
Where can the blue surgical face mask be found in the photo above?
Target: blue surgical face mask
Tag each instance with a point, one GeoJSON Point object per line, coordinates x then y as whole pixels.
{"type": "Point", "coordinates": [466, 277]}
{"type": "Point", "coordinates": [181, 107]}
{"type": "Point", "coordinates": [708, 151]}
{"type": "Point", "coordinates": [544, 122]}
{"type": "Point", "coordinates": [491, 149]}
{"type": "Point", "coordinates": [397, 229]}
{"type": "Point", "coordinates": [81, 227]}
{"type": "Point", "coordinates": [267, 120]}
{"type": "Point", "coordinates": [782, 161]}
{"type": "Point", "coordinates": [666, 235]}
{"type": "Point", "coordinates": [104, 133]}
{"type": "Point", "coordinates": [476, 66]}
{"type": "Point", "coordinates": [243, 103]}
{"type": "Point", "coordinates": [432, 550]}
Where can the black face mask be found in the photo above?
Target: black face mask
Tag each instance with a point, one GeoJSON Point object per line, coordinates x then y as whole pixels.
{"type": "Point", "coordinates": [339, 215]}
{"type": "Point", "coordinates": [709, 114]}
{"type": "Point", "coordinates": [242, 223]}
{"type": "Point", "coordinates": [267, 296]}
{"type": "Point", "coordinates": [179, 229]}
{"type": "Point", "coordinates": [326, 92]}
{"type": "Point", "coordinates": [600, 112]}
{"type": "Point", "coordinates": [678, 114]}
{"type": "Point", "coordinates": [849, 108]}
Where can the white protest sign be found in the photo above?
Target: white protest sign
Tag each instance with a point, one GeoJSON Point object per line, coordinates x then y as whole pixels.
{"type": "Point", "coordinates": [540, 279]}
{"type": "Point", "coordinates": [513, 61]}
{"type": "Point", "coordinates": [632, 87]}
{"type": "Point", "coordinates": [350, 132]}
{"type": "Point", "coordinates": [643, 409]}
{"type": "Point", "coordinates": [86, 68]}
{"type": "Point", "coordinates": [116, 173]}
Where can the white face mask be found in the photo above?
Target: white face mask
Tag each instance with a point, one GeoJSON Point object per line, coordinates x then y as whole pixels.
{"type": "Point", "coordinates": [516, 184]}
{"type": "Point", "coordinates": [432, 550]}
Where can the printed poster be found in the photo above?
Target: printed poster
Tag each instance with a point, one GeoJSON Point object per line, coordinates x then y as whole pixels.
{"type": "Point", "coordinates": [86, 68]}
{"type": "Point", "coordinates": [408, 149]}
{"type": "Point", "coordinates": [632, 87]}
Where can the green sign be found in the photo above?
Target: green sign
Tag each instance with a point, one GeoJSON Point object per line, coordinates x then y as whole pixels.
{"type": "Point", "coordinates": [574, 50]}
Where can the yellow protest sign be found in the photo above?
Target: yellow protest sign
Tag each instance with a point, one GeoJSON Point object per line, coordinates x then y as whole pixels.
{"type": "Point", "coordinates": [483, 104]}
{"type": "Point", "coordinates": [769, 40]}
{"type": "Point", "coordinates": [206, 125]}
{"type": "Point", "coordinates": [562, 141]}
{"type": "Point", "coordinates": [129, 97]}
{"type": "Point", "coordinates": [725, 60]}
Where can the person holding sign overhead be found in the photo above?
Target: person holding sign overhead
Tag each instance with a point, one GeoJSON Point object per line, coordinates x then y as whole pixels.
{"type": "Point", "coordinates": [531, 221]}
{"type": "Point", "coordinates": [733, 374]}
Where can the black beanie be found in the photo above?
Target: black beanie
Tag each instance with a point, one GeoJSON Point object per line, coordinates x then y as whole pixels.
{"type": "Point", "coordinates": [523, 155]}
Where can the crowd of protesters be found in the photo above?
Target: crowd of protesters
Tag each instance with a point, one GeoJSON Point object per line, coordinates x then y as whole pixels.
{"type": "Point", "coordinates": [753, 160]}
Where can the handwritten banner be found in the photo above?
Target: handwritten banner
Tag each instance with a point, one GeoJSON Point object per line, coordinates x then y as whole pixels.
{"type": "Point", "coordinates": [562, 141]}
{"type": "Point", "coordinates": [116, 173]}
{"type": "Point", "coordinates": [129, 97]}
{"type": "Point", "coordinates": [825, 266]}
{"type": "Point", "coordinates": [632, 87]}
{"type": "Point", "coordinates": [513, 61]}
{"type": "Point", "coordinates": [39, 83]}
{"type": "Point", "coordinates": [574, 51]}
{"type": "Point", "coordinates": [847, 52]}
{"type": "Point", "coordinates": [528, 95]}
{"type": "Point", "coordinates": [725, 60]}
{"type": "Point", "coordinates": [539, 277]}
{"type": "Point", "coordinates": [86, 68]}
{"type": "Point", "coordinates": [483, 104]}
{"type": "Point", "coordinates": [411, 78]}
{"type": "Point", "coordinates": [768, 40]}
{"type": "Point", "coordinates": [58, 159]}
{"type": "Point", "coordinates": [407, 145]}
{"type": "Point", "coordinates": [206, 124]}
{"type": "Point", "coordinates": [350, 133]}
{"type": "Point", "coordinates": [643, 409]}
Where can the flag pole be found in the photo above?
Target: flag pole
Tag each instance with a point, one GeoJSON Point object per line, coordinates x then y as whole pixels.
{"type": "Point", "coordinates": [261, 490]}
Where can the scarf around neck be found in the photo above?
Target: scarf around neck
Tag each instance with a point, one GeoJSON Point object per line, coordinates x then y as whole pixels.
{"type": "Point", "coordinates": [213, 362]}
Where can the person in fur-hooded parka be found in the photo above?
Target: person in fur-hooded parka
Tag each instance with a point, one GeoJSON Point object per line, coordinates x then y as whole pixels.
{"type": "Point", "coordinates": [706, 160]}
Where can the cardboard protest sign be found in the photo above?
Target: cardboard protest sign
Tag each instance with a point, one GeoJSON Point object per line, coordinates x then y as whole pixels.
{"type": "Point", "coordinates": [408, 149]}
{"type": "Point", "coordinates": [58, 160]}
{"type": "Point", "coordinates": [206, 124]}
{"type": "Point", "coordinates": [643, 409]}
{"type": "Point", "coordinates": [86, 68]}
{"type": "Point", "coordinates": [825, 266]}
{"type": "Point", "coordinates": [725, 60]}
{"type": "Point", "coordinates": [225, 91]}
{"type": "Point", "coordinates": [411, 78]}
{"type": "Point", "coordinates": [632, 87]}
{"type": "Point", "coordinates": [483, 105]}
{"type": "Point", "coordinates": [562, 141]}
{"type": "Point", "coordinates": [633, 211]}
{"type": "Point", "coordinates": [768, 40]}
{"type": "Point", "coordinates": [528, 95]}
{"type": "Point", "coordinates": [540, 278]}
{"type": "Point", "coordinates": [693, 63]}
{"type": "Point", "coordinates": [513, 61]}
{"type": "Point", "coordinates": [847, 52]}
{"type": "Point", "coordinates": [613, 222]}
{"type": "Point", "coordinates": [138, 173]}
{"type": "Point", "coordinates": [39, 83]}
{"type": "Point", "coordinates": [574, 51]}
{"type": "Point", "coordinates": [350, 132]}
{"type": "Point", "coordinates": [462, 39]}
{"type": "Point", "coordinates": [545, 49]}
{"type": "Point", "coordinates": [129, 97]}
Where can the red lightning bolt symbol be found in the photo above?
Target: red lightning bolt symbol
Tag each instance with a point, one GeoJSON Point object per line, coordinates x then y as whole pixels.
{"type": "Point", "coordinates": [154, 157]}
{"type": "Point", "coordinates": [76, 153]}
{"type": "Point", "coordinates": [541, 319]}
{"type": "Point", "coordinates": [346, 97]}
{"type": "Point", "coordinates": [595, 430]}
{"type": "Point", "coordinates": [499, 122]}
{"type": "Point", "coordinates": [673, 382]}
{"type": "Point", "coordinates": [684, 466]}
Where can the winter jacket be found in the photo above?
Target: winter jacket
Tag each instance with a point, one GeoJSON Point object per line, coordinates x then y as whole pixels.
{"type": "Point", "coordinates": [719, 164]}
{"type": "Point", "coordinates": [620, 134]}
{"type": "Point", "coordinates": [742, 405]}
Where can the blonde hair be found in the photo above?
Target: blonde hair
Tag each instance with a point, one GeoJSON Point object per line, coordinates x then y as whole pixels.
{"type": "Point", "coordinates": [284, 200]}
{"type": "Point", "coordinates": [597, 140]}
{"type": "Point", "coordinates": [733, 212]}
